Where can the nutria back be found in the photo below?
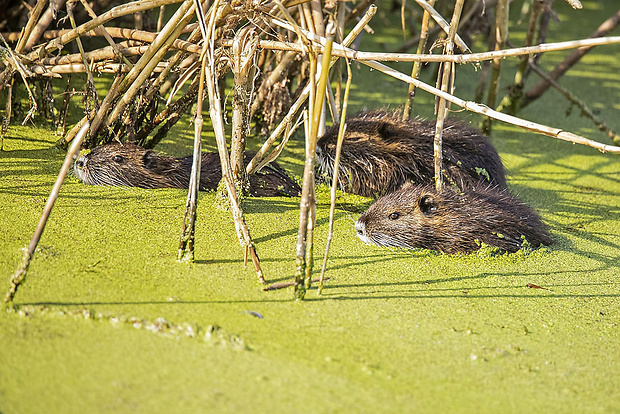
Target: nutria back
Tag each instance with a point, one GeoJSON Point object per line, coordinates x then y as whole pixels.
{"type": "Point", "coordinates": [381, 152]}
{"type": "Point", "coordinates": [418, 216]}
{"type": "Point", "coordinates": [130, 165]}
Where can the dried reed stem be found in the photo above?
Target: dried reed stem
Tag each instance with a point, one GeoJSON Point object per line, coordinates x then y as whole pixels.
{"type": "Point", "coordinates": [242, 64]}
{"type": "Point", "coordinates": [605, 28]}
{"type": "Point", "coordinates": [307, 207]}
{"type": "Point", "coordinates": [20, 274]}
{"type": "Point", "coordinates": [116, 12]}
{"type": "Point", "coordinates": [32, 21]}
{"type": "Point", "coordinates": [442, 105]}
{"type": "Point", "coordinates": [144, 67]}
{"type": "Point", "coordinates": [215, 111]}
{"type": "Point", "coordinates": [411, 57]}
{"type": "Point", "coordinates": [332, 195]}
{"type": "Point", "coordinates": [288, 118]}
{"type": "Point", "coordinates": [585, 111]}
{"type": "Point", "coordinates": [417, 66]}
{"type": "Point", "coordinates": [501, 35]}
{"type": "Point", "coordinates": [481, 109]}
{"type": "Point", "coordinates": [443, 23]}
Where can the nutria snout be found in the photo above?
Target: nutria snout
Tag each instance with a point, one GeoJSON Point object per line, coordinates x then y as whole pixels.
{"type": "Point", "coordinates": [130, 165]}
{"type": "Point", "coordinates": [381, 152]}
{"type": "Point", "coordinates": [418, 216]}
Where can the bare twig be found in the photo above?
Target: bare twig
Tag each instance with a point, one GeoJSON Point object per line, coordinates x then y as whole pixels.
{"type": "Point", "coordinates": [417, 66]}
{"type": "Point", "coordinates": [537, 90]}
{"type": "Point", "coordinates": [442, 105]}
{"type": "Point", "coordinates": [332, 205]}
{"type": "Point", "coordinates": [118, 11]}
{"type": "Point", "coordinates": [32, 21]}
{"type": "Point", "coordinates": [443, 23]}
{"type": "Point", "coordinates": [501, 35]}
{"type": "Point", "coordinates": [252, 165]}
{"type": "Point", "coordinates": [478, 108]}
{"type": "Point", "coordinates": [587, 112]}
{"type": "Point", "coordinates": [20, 274]}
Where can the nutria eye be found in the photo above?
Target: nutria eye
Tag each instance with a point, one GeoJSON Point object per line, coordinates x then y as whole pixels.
{"type": "Point", "coordinates": [394, 216]}
{"type": "Point", "coordinates": [117, 158]}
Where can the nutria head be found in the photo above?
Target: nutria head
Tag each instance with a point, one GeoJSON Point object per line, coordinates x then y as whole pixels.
{"type": "Point", "coordinates": [126, 165]}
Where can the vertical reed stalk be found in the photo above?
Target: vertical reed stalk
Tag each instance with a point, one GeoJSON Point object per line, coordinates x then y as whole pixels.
{"type": "Point", "coordinates": [244, 49]}
{"type": "Point", "coordinates": [306, 217]}
{"type": "Point", "coordinates": [501, 35]}
{"type": "Point", "coordinates": [20, 274]}
{"type": "Point", "coordinates": [417, 66]}
{"type": "Point", "coordinates": [332, 205]}
{"type": "Point", "coordinates": [442, 105]}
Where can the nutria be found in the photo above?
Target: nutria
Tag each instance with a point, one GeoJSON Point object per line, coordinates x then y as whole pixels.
{"type": "Point", "coordinates": [381, 151]}
{"type": "Point", "coordinates": [132, 166]}
{"type": "Point", "coordinates": [417, 216]}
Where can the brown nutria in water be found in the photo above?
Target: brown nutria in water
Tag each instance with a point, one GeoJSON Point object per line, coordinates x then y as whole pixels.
{"type": "Point", "coordinates": [132, 166]}
{"type": "Point", "coordinates": [418, 216]}
{"type": "Point", "coordinates": [381, 152]}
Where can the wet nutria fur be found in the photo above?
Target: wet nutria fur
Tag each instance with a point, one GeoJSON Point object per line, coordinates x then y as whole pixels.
{"type": "Point", "coordinates": [418, 216]}
{"type": "Point", "coordinates": [381, 152]}
{"type": "Point", "coordinates": [132, 166]}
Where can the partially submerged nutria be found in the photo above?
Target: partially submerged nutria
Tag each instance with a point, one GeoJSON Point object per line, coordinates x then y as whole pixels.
{"type": "Point", "coordinates": [381, 152]}
{"type": "Point", "coordinates": [130, 165]}
{"type": "Point", "coordinates": [418, 216]}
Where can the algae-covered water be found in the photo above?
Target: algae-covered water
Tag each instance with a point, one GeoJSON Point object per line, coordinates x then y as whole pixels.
{"type": "Point", "coordinates": [109, 321]}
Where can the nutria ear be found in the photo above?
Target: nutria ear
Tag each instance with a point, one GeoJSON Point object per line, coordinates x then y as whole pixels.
{"type": "Point", "coordinates": [427, 204]}
{"type": "Point", "coordinates": [149, 160]}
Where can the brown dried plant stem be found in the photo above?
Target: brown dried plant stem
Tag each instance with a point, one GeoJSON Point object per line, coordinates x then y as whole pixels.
{"type": "Point", "coordinates": [105, 34]}
{"type": "Point", "coordinates": [90, 82]}
{"type": "Point", "coordinates": [332, 195]}
{"type": "Point", "coordinates": [511, 101]}
{"type": "Point", "coordinates": [20, 274]}
{"type": "Point", "coordinates": [32, 21]}
{"type": "Point", "coordinates": [43, 23]}
{"type": "Point", "coordinates": [242, 63]}
{"type": "Point", "coordinates": [537, 90]}
{"type": "Point", "coordinates": [144, 67]}
{"type": "Point", "coordinates": [585, 111]}
{"type": "Point", "coordinates": [444, 25]}
{"type": "Point", "coordinates": [339, 51]}
{"type": "Point", "coordinates": [186, 243]}
{"type": "Point", "coordinates": [139, 73]}
{"type": "Point", "coordinates": [307, 203]}
{"type": "Point", "coordinates": [501, 35]}
{"type": "Point", "coordinates": [215, 111]}
{"type": "Point", "coordinates": [288, 118]}
{"type": "Point", "coordinates": [116, 12]}
{"type": "Point", "coordinates": [417, 66]}
{"type": "Point", "coordinates": [442, 105]}
{"type": "Point", "coordinates": [478, 108]}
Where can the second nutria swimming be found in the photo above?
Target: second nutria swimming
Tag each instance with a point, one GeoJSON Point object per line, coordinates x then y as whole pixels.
{"type": "Point", "coordinates": [381, 152]}
{"type": "Point", "coordinates": [130, 165]}
{"type": "Point", "coordinates": [419, 216]}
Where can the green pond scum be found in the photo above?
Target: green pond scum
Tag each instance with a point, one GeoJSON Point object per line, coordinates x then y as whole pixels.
{"type": "Point", "coordinates": [109, 321]}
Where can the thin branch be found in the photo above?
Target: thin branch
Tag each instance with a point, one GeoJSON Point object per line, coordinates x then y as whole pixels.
{"type": "Point", "coordinates": [20, 274]}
